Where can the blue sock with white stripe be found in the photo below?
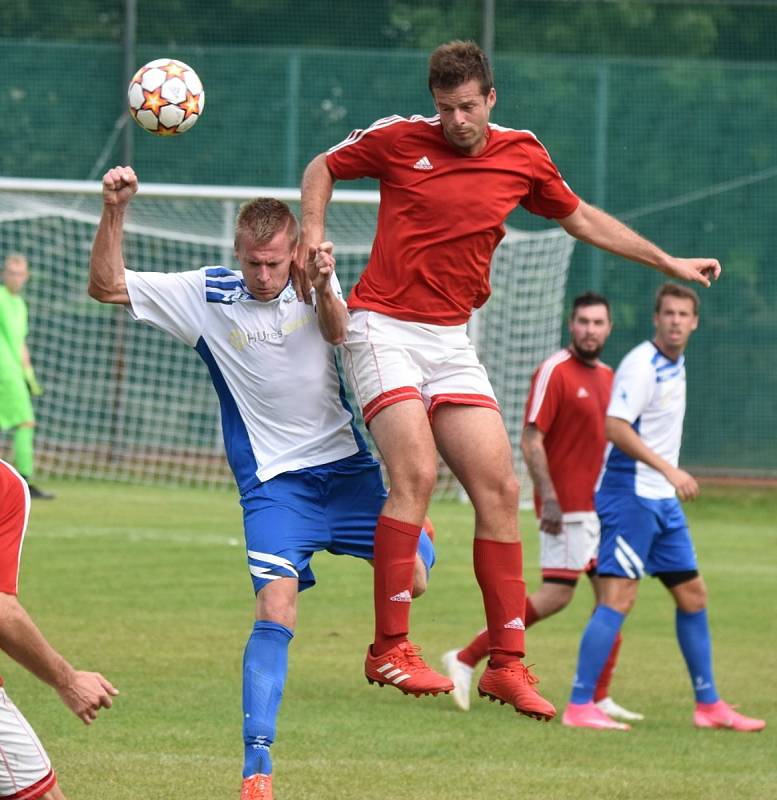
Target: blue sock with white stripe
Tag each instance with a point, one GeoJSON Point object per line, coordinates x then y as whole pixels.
{"type": "Point", "coordinates": [265, 664]}
{"type": "Point", "coordinates": [595, 646]}
{"type": "Point", "coordinates": [693, 634]}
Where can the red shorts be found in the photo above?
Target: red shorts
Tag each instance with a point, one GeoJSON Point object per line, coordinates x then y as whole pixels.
{"type": "Point", "coordinates": [14, 513]}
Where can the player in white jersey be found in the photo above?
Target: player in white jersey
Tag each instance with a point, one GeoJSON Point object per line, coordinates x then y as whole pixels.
{"type": "Point", "coordinates": [643, 528]}
{"type": "Point", "coordinates": [307, 480]}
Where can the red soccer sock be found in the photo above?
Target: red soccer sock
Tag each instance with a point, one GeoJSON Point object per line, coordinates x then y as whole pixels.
{"type": "Point", "coordinates": [499, 572]}
{"type": "Point", "coordinates": [475, 651]}
{"type": "Point", "coordinates": [602, 689]}
{"type": "Point", "coordinates": [396, 543]}
{"type": "Point", "coordinates": [531, 614]}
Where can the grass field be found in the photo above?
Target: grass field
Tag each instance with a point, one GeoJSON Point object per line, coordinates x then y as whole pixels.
{"type": "Point", "coordinates": [150, 587]}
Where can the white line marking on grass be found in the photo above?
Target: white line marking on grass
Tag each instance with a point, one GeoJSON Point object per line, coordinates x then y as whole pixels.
{"type": "Point", "coordinates": [137, 535]}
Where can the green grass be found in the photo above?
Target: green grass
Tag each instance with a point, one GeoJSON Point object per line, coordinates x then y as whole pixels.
{"type": "Point", "coordinates": [150, 587]}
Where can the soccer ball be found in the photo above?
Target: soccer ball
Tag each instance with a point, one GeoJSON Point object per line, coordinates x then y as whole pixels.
{"type": "Point", "coordinates": [166, 97]}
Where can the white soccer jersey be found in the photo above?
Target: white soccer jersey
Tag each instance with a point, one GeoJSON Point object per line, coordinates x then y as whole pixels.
{"type": "Point", "coordinates": [282, 402]}
{"type": "Point", "coordinates": [649, 392]}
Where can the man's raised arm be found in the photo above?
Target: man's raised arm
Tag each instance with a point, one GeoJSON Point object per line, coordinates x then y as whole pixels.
{"type": "Point", "coordinates": [317, 184]}
{"type": "Point", "coordinates": [331, 311]}
{"type": "Point", "coordinates": [106, 266]}
{"type": "Point", "coordinates": [594, 226]}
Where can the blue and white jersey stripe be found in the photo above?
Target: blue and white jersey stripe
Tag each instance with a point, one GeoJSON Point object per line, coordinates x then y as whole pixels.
{"type": "Point", "coordinates": [222, 285]}
{"type": "Point", "coordinates": [282, 403]}
{"type": "Point", "coordinates": [649, 393]}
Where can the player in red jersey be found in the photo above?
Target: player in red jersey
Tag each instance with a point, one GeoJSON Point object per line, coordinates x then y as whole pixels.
{"type": "Point", "coordinates": [563, 444]}
{"type": "Point", "coordinates": [447, 184]}
{"type": "Point", "coordinates": [25, 769]}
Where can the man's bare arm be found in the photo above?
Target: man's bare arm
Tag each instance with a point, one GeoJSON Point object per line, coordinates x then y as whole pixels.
{"type": "Point", "coordinates": [331, 311]}
{"type": "Point", "coordinates": [533, 449]}
{"type": "Point", "coordinates": [626, 439]}
{"type": "Point", "coordinates": [317, 184]}
{"type": "Point", "coordinates": [597, 227]}
{"type": "Point", "coordinates": [84, 693]}
{"type": "Point", "coordinates": [106, 265]}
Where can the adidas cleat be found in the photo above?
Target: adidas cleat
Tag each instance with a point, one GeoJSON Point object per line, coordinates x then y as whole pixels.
{"type": "Point", "coordinates": [514, 685]}
{"type": "Point", "coordinates": [403, 667]}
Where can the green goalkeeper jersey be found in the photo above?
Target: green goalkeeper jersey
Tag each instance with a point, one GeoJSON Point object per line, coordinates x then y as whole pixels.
{"type": "Point", "coordinates": [13, 329]}
{"type": "Point", "coordinates": [15, 403]}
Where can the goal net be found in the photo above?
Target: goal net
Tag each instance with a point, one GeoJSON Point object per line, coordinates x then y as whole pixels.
{"type": "Point", "coordinates": [125, 402]}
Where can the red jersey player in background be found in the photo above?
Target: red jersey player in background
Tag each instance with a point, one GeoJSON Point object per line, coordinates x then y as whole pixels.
{"type": "Point", "coordinates": [563, 445]}
{"type": "Point", "coordinates": [447, 184]}
{"type": "Point", "coordinates": [25, 769]}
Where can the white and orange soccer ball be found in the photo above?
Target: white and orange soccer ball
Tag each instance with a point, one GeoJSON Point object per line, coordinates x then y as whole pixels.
{"type": "Point", "coordinates": [166, 97]}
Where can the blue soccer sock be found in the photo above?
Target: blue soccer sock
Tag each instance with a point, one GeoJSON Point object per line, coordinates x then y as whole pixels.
{"type": "Point", "coordinates": [265, 664]}
{"type": "Point", "coordinates": [693, 634]}
{"type": "Point", "coordinates": [595, 647]}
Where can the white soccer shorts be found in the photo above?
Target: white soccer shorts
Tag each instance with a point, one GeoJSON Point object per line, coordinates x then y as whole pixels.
{"type": "Point", "coordinates": [25, 769]}
{"type": "Point", "coordinates": [567, 554]}
{"type": "Point", "coordinates": [388, 360]}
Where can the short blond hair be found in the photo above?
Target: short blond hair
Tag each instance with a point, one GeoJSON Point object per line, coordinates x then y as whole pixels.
{"type": "Point", "coordinates": [264, 217]}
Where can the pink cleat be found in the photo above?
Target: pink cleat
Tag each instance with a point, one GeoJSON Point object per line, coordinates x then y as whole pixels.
{"type": "Point", "coordinates": [589, 715]}
{"type": "Point", "coordinates": [721, 715]}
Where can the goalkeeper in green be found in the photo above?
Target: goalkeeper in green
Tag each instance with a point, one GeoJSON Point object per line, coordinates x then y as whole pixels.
{"type": "Point", "coordinates": [17, 377]}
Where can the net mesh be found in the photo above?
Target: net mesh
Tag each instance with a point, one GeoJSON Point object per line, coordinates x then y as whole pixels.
{"type": "Point", "coordinates": [125, 402]}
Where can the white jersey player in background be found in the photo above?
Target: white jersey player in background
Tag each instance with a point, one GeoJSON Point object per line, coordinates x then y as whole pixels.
{"type": "Point", "coordinates": [307, 480]}
{"type": "Point", "coordinates": [643, 528]}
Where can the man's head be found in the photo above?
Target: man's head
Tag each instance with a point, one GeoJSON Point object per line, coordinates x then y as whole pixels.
{"type": "Point", "coordinates": [589, 325]}
{"type": "Point", "coordinates": [15, 272]}
{"type": "Point", "coordinates": [462, 85]}
{"type": "Point", "coordinates": [266, 236]}
{"type": "Point", "coordinates": [676, 317]}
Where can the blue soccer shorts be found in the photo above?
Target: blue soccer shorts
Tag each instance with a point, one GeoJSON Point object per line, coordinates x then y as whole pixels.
{"type": "Point", "coordinates": [332, 507]}
{"type": "Point", "coordinates": [641, 536]}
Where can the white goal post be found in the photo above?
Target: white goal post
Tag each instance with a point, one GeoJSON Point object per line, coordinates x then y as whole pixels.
{"type": "Point", "coordinates": [125, 402]}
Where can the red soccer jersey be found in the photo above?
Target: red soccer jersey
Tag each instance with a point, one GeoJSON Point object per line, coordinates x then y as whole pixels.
{"type": "Point", "coordinates": [568, 402]}
{"type": "Point", "coordinates": [442, 212]}
{"type": "Point", "coordinates": [14, 512]}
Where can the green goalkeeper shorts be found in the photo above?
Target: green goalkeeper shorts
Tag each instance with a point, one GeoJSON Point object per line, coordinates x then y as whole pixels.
{"type": "Point", "coordinates": [15, 402]}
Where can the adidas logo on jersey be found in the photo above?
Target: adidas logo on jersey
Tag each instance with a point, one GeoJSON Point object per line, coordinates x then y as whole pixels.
{"type": "Point", "coordinates": [423, 163]}
{"type": "Point", "coordinates": [581, 392]}
{"type": "Point", "coordinates": [403, 597]}
{"type": "Point", "coordinates": [516, 624]}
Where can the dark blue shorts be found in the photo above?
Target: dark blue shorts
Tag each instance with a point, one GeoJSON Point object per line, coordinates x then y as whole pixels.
{"type": "Point", "coordinates": [641, 536]}
{"type": "Point", "coordinates": [332, 507]}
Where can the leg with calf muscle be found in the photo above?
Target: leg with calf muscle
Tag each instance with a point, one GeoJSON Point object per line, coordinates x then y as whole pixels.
{"type": "Point", "coordinates": [693, 636]}
{"type": "Point", "coordinates": [551, 598]}
{"type": "Point", "coordinates": [403, 436]}
{"type": "Point", "coordinates": [265, 665]}
{"type": "Point", "coordinates": [23, 449]}
{"type": "Point", "coordinates": [617, 599]}
{"type": "Point", "coordinates": [474, 443]}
